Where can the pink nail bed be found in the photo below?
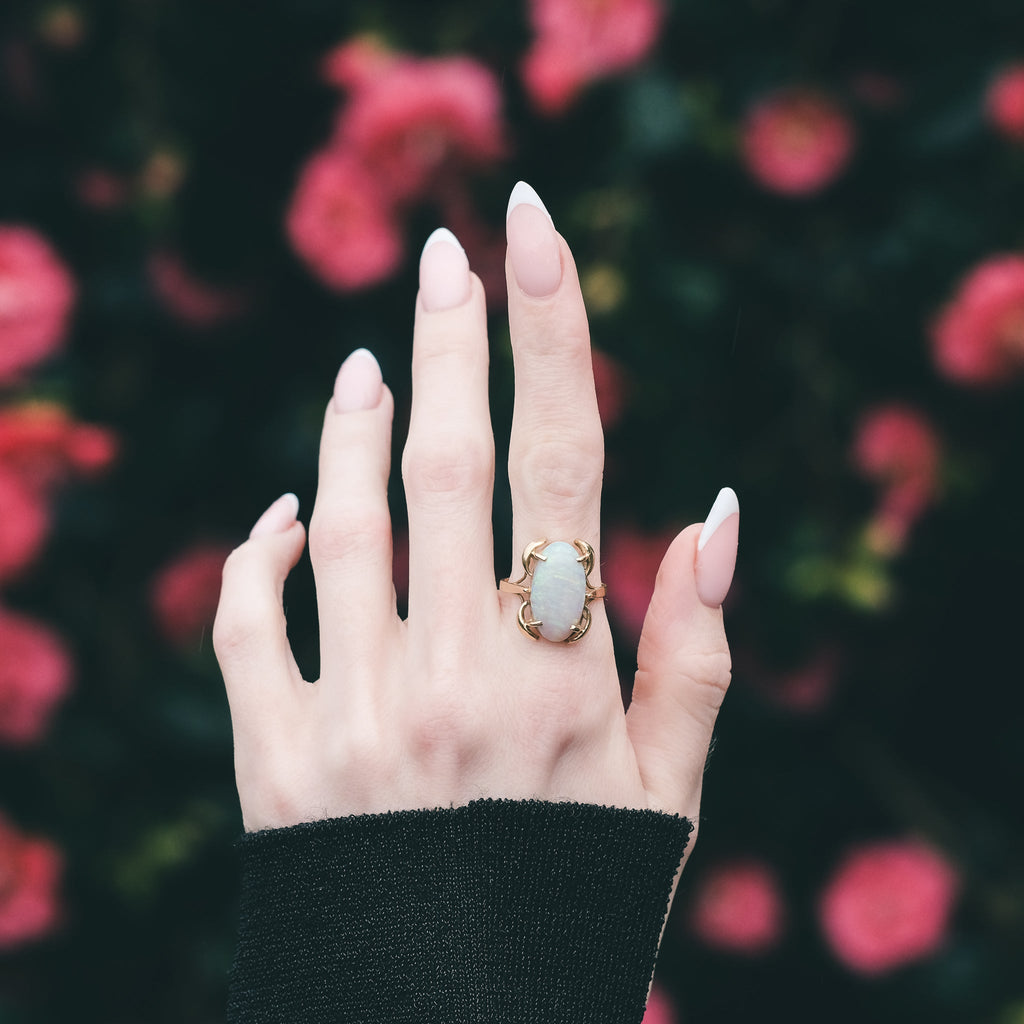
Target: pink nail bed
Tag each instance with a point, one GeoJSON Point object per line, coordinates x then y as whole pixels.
{"type": "Point", "coordinates": [444, 272]}
{"type": "Point", "coordinates": [532, 243]}
{"type": "Point", "coordinates": [278, 517]}
{"type": "Point", "coordinates": [359, 383]}
{"type": "Point", "coordinates": [716, 549]}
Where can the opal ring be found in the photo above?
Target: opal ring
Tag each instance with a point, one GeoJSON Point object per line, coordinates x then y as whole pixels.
{"type": "Point", "coordinates": [556, 590]}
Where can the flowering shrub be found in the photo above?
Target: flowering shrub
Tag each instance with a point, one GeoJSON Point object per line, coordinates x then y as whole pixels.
{"type": "Point", "coordinates": [799, 239]}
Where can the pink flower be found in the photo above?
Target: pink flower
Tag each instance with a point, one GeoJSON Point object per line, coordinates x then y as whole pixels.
{"type": "Point", "coordinates": [659, 1008]}
{"type": "Point", "coordinates": [35, 673]}
{"type": "Point", "coordinates": [42, 445]}
{"type": "Point", "coordinates": [887, 904]}
{"type": "Point", "coordinates": [897, 447]}
{"type": "Point", "coordinates": [29, 875]}
{"type": "Point", "coordinates": [630, 560]}
{"type": "Point", "coordinates": [1004, 102]}
{"type": "Point", "coordinates": [421, 120]}
{"type": "Point", "coordinates": [184, 594]}
{"type": "Point", "coordinates": [341, 223]}
{"type": "Point", "coordinates": [192, 301]}
{"type": "Point", "coordinates": [739, 908]}
{"type": "Point", "coordinates": [796, 141]}
{"type": "Point", "coordinates": [978, 338]}
{"type": "Point", "coordinates": [36, 295]}
{"type": "Point", "coordinates": [26, 522]}
{"type": "Point", "coordinates": [358, 62]}
{"type": "Point", "coordinates": [579, 41]}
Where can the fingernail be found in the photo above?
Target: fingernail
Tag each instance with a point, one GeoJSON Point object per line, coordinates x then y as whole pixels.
{"type": "Point", "coordinates": [278, 517]}
{"type": "Point", "coordinates": [444, 272]}
{"type": "Point", "coordinates": [359, 382]}
{"type": "Point", "coordinates": [716, 549]}
{"type": "Point", "coordinates": [532, 243]}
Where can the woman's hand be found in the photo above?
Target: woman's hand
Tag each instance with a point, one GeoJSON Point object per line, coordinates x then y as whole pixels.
{"type": "Point", "coordinates": [456, 703]}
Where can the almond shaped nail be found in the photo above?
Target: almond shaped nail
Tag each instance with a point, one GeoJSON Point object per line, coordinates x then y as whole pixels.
{"type": "Point", "coordinates": [359, 382]}
{"type": "Point", "coordinates": [444, 272]}
{"type": "Point", "coordinates": [533, 247]}
{"type": "Point", "coordinates": [716, 549]}
{"type": "Point", "coordinates": [278, 517]}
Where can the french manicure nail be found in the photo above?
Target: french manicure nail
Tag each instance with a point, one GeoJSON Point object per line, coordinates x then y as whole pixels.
{"type": "Point", "coordinates": [532, 243]}
{"type": "Point", "coordinates": [359, 383]}
{"type": "Point", "coordinates": [716, 549]}
{"type": "Point", "coordinates": [278, 517]}
{"type": "Point", "coordinates": [444, 272]}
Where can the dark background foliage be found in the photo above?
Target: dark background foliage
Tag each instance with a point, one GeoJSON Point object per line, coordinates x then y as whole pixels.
{"type": "Point", "coordinates": [754, 330]}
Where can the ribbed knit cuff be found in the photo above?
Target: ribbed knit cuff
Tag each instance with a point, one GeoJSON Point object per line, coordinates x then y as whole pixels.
{"type": "Point", "coordinates": [500, 911]}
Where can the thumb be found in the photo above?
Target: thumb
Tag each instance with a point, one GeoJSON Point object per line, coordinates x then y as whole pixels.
{"type": "Point", "coordinates": [683, 663]}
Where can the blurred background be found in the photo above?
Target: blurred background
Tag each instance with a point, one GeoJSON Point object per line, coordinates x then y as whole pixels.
{"type": "Point", "coordinates": [799, 227]}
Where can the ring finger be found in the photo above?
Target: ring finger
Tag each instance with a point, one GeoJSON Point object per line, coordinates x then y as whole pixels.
{"type": "Point", "coordinates": [556, 451]}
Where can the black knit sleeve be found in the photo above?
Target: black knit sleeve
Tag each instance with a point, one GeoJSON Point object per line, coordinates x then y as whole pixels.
{"type": "Point", "coordinates": [501, 911]}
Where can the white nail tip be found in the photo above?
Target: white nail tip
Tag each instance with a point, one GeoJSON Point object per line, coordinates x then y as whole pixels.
{"type": "Point", "coordinates": [441, 235]}
{"type": "Point", "coordinates": [293, 501]}
{"type": "Point", "coordinates": [523, 193]}
{"type": "Point", "coordinates": [362, 353]}
{"type": "Point", "coordinates": [726, 504]}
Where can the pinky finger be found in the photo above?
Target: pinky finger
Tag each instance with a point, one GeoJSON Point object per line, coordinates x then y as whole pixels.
{"type": "Point", "coordinates": [250, 634]}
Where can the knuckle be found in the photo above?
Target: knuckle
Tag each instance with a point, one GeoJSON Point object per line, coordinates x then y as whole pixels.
{"type": "Point", "coordinates": [446, 727]}
{"type": "Point", "coordinates": [562, 472]}
{"type": "Point", "coordinates": [448, 466]}
{"type": "Point", "coordinates": [235, 629]}
{"type": "Point", "coordinates": [349, 531]}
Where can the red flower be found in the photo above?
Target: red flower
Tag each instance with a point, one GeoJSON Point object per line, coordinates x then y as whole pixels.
{"type": "Point", "coordinates": [184, 593]}
{"type": "Point", "coordinates": [25, 516]}
{"type": "Point", "coordinates": [659, 1008]}
{"type": "Point", "coordinates": [1004, 102]}
{"type": "Point", "coordinates": [29, 874]}
{"type": "Point", "coordinates": [578, 41]}
{"type": "Point", "coordinates": [358, 62]}
{"type": "Point", "coordinates": [36, 295]}
{"type": "Point", "coordinates": [421, 119]}
{"type": "Point", "coordinates": [192, 301]}
{"type": "Point", "coordinates": [796, 141]}
{"type": "Point", "coordinates": [739, 908]}
{"type": "Point", "coordinates": [341, 223]}
{"type": "Point", "coordinates": [978, 338]}
{"type": "Point", "coordinates": [630, 561]}
{"type": "Point", "coordinates": [35, 673]}
{"type": "Point", "coordinates": [42, 445]}
{"type": "Point", "coordinates": [887, 904]}
{"type": "Point", "coordinates": [898, 448]}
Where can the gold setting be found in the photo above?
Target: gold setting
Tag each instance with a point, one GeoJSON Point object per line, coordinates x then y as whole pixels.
{"type": "Point", "coordinates": [531, 553]}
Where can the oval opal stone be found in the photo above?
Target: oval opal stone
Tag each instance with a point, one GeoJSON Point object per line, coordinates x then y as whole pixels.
{"type": "Point", "coordinates": [558, 590]}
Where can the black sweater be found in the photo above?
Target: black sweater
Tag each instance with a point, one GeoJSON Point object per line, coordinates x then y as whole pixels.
{"type": "Point", "coordinates": [501, 912]}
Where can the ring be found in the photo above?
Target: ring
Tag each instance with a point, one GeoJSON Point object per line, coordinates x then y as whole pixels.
{"type": "Point", "coordinates": [556, 590]}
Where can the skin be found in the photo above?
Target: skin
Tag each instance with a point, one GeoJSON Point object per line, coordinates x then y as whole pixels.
{"type": "Point", "coordinates": [455, 703]}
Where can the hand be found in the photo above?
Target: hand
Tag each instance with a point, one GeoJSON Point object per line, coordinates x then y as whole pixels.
{"type": "Point", "coordinates": [456, 703]}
